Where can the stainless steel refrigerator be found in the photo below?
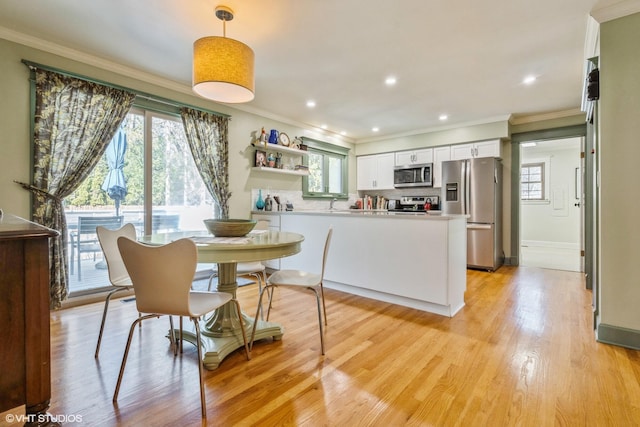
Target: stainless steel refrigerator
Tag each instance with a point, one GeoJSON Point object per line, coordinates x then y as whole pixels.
{"type": "Point", "coordinates": [474, 187]}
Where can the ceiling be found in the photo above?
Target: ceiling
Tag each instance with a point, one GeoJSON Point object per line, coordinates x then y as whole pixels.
{"type": "Point", "coordinates": [463, 59]}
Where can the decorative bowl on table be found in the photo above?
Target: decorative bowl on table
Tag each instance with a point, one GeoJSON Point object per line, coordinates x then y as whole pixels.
{"type": "Point", "coordinates": [229, 227]}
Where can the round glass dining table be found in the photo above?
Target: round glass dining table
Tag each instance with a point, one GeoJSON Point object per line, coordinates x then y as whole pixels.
{"type": "Point", "coordinates": [221, 333]}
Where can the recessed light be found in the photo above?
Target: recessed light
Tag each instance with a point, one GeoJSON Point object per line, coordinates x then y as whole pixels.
{"type": "Point", "coordinates": [529, 80]}
{"type": "Point", "coordinates": [311, 103]}
{"type": "Point", "coordinates": [390, 81]}
{"type": "Point", "coordinates": [375, 129]}
{"type": "Point", "coordinates": [528, 144]}
{"type": "Point", "coordinates": [443, 117]}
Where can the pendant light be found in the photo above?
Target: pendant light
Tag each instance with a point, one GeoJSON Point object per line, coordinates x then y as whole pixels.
{"type": "Point", "coordinates": [223, 67]}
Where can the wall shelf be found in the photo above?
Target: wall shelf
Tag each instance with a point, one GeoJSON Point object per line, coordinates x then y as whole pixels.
{"type": "Point", "coordinates": [282, 171]}
{"type": "Point", "coordinates": [282, 149]}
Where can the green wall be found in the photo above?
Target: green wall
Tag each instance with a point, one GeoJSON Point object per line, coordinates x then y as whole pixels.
{"type": "Point", "coordinates": [619, 125]}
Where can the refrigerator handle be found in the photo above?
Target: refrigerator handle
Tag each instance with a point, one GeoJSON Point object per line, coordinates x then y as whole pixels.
{"type": "Point", "coordinates": [467, 187]}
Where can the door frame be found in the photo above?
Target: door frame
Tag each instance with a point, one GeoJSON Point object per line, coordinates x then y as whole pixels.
{"type": "Point", "coordinates": [547, 134]}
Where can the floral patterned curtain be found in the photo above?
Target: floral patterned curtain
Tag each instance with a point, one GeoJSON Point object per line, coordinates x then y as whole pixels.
{"type": "Point", "coordinates": [74, 121]}
{"type": "Point", "coordinates": [208, 139]}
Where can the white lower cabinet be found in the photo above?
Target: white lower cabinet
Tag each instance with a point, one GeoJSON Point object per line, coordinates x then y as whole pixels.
{"type": "Point", "coordinates": [428, 274]}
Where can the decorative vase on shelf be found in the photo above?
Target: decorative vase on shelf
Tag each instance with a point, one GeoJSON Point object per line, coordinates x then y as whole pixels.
{"type": "Point", "coordinates": [268, 203]}
{"type": "Point", "coordinates": [260, 202]}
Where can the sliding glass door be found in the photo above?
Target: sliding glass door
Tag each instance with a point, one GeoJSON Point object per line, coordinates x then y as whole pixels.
{"type": "Point", "coordinates": [147, 177]}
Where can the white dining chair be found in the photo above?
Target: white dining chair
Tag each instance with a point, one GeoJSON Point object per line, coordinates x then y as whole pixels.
{"type": "Point", "coordinates": [298, 279]}
{"type": "Point", "coordinates": [162, 277]}
{"type": "Point", "coordinates": [118, 276]}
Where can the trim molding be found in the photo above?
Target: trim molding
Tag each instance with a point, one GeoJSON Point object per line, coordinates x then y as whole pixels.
{"type": "Point", "coordinates": [615, 335]}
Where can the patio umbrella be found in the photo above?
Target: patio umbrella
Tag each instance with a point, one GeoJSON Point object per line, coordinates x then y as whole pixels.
{"type": "Point", "coordinates": [114, 184]}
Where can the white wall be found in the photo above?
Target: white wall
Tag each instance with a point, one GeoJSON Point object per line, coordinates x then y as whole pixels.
{"type": "Point", "coordinates": [555, 220]}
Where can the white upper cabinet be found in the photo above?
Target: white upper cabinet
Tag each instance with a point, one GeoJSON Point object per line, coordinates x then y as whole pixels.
{"type": "Point", "coordinates": [440, 154]}
{"type": "Point", "coordinates": [375, 172]}
{"type": "Point", "coordinates": [490, 148]}
{"type": "Point", "coordinates": [414, 157]}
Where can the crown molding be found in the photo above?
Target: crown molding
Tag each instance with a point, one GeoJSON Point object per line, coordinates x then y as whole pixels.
{"type": "Point", "coordinates": [615, 11]}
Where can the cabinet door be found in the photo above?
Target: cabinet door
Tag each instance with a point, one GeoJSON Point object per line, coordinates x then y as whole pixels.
{"type": "Point", "coordinates": [440, 154]}
{"type": "Point", "coordinates": [404, 158]}
{"type": "Point", "coordinates": [414, 157]}
{"type": "Point", "coordinates": [366, 172]}
{"type": "Point", "coordinates": [488, 149]}
{"type": "Point", "coordinates": [462, 151]}
{"type": "Point", "coordinates": [424, 156]}
{"type": "Point", "coordinates": [384, 179]}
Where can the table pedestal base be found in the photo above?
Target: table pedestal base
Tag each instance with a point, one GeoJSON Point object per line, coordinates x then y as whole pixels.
{"type": "Point", "coordinates": [215, 349]}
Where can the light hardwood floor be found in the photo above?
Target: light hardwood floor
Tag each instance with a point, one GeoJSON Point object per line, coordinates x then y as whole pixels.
{"type": "Point", "coordinates": [521, 353]}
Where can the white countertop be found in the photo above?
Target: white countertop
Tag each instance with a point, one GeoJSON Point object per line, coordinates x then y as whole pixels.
{"type": "Point", "coordinates": [366, 213]}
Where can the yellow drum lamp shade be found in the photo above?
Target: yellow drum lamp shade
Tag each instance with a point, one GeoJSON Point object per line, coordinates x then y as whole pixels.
{"type": "Point", "coordinates": [223, 70]}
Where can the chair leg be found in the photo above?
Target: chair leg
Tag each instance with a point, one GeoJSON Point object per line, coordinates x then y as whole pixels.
{"type": "Point", "coordinates": [181, 337]}
{"type": "Point", "coordinates": [126, 352]}
{"type": "Point", "coordinates": [211, 277]}
{"type": "Point", "coordinates": [270, 291]}
{"type": "Point", "coordinates": [244, 334]}
{"type": "Point", "coordinates": [172, 336]}
{"type": "Point", "coordinates": [319, 319]}
{"type": "Point", "coordinates": [260, 282]}
{"type": "Point", "coordinates": [104, 318]}
{"type": "Point", "coordinates": [324, 308]}
{"type": "Point", "coordinates": [79, 264]}
{"type": "Point", "coordinates": [255, 319]}
{"type": "Point", "coordinates": [203, 403]}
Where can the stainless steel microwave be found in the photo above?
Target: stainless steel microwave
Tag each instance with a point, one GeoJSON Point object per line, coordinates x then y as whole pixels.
{"type": "Point", "coordinates": [413, 175]}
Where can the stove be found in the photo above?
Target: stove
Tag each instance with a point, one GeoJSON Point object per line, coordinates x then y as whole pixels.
{"type": "Point", "coordinates": [415, 203]}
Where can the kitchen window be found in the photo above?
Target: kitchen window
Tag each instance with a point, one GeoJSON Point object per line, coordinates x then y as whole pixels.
{"type": "Point", "coordinates": [532, 181]}
{"type": "Point", "coordinates": [327, 170]}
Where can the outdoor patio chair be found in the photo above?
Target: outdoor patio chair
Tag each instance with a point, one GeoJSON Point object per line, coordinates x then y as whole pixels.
{"type": "Point", "coordinates": [84, 238]}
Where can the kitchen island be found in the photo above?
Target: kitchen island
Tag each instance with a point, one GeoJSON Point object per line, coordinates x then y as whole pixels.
{"type": "Point", "coordinates": [411, 259]}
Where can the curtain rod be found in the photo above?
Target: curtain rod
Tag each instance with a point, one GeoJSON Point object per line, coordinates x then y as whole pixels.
{"type": "Point", "coordinates": [148, 96]}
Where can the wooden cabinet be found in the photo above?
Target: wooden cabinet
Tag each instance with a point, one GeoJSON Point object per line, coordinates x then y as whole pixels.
{"type": "Point", "coordinates": [375, 172]}
{"type": "Point", "coordinates": [490, 148]}
{"type": "Point", "coordinates": [24, 314]}
{"type": "Point", "coordinates": [440, 154]}
{"type": "Point", "coordinates": [414, 157]}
